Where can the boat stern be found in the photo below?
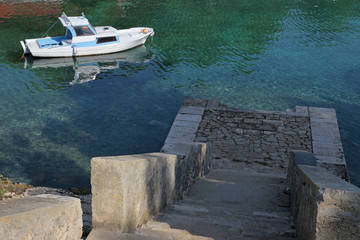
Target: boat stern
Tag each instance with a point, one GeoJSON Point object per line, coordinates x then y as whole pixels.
{"type": "Point", "coordinates": [25, 47]}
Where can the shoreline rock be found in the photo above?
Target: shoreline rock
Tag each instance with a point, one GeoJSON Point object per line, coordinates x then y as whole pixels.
{"type": "Point", "coordinates": [79, 193]}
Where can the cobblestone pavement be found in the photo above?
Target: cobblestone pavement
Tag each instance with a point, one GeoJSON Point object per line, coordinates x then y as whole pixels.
{"type": "Point", "coordinates": [257, 139]}
{"type": "Point", "coordinates": [260, 140]}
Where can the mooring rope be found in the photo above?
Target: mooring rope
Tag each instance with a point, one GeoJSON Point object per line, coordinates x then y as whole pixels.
{"type": "Point", "coordinates": [50, 28]}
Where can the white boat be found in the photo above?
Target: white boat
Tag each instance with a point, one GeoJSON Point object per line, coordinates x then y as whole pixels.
{"type": "Point", "coordinates": [88, 67]}
{"type": "Point", "coordinates": [82, 39]}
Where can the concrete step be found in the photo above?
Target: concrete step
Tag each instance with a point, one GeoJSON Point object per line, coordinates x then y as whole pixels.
{"type": "Point", "coordinates": [230, 204]}
{"type": "Point", "coordinates": [226, 213]}
{"type": "Point", "coordinates": [240, 191]}
{"type": "Point", "coordinates": [145, 233]}
{"type": "Point", "coordinates": [280, 217]}
{"type": "Point", "coordinates": [176, 234]}
{"type": "Point", "coordinates": [214, 207]}
{"type": "Point", "coordinates": [152, 230]}
{"type": "Point", "coordinates": [230, 228]}
{"type": "Point", "coordinates": [105, 234]}
{"type": "Point", "coordinates": [193, 200]}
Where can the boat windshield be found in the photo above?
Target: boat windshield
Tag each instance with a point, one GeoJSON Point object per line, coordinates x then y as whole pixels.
{"type": "Point", "coordinates": [68, 34]}
{"type": "Point", "coordinates": [83, 31]}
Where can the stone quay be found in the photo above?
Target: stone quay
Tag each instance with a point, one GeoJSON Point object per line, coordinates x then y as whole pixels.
{"type": "Point", "coordinates": [258, 139]}
{"type": "Point", "coordinates": [222, 173]}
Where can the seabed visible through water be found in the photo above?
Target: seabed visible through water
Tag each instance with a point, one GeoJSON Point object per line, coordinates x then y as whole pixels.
{"type": "Point", "coordinates": [269, 55]}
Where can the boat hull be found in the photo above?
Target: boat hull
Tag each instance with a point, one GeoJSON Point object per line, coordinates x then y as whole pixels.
{"type": "Point", "coordinates": [128, 38]}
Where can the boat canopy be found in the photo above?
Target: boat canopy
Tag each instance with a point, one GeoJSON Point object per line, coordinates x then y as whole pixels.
{"type": "Point", "coordinates": [73, 21]}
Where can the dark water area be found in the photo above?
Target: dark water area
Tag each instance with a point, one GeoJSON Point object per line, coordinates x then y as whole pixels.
{"type": "Point", "coordinates": [276, 54]}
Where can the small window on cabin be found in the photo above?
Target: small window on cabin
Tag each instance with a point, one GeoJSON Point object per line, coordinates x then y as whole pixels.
{"type": "Point", "coordinates": [83, 31]}
{"type": "Point", "coordinates": [106, 39]}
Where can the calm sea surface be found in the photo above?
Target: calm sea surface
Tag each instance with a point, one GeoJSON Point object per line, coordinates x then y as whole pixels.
{"type": "Point", "coordinates": [273, 54]}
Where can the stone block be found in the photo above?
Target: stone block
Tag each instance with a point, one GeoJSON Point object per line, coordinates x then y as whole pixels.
{"type": "Point", "coordinates": [189, 117]}
{"type": "Point", "coordinates": [302, 110]}
{"type": "Point", "coordinates": [327, 113]}
{"type": "Point", "coordinates": [270, 114]}
{"type": "Point", "coordinates": [197, 158]}
{"type": "Point", "coordinates": [339, 170]}
{"type": "Point", "coordinates": [252, 121]}
{"type": "Point", "coordinates": [180, 139]}
{"type": "Point", "coordinates": [335, 159]}
{"type": "Point", "coordinates": [43, 216]}
{"type": "Point", "coordinates": [128, 190]}
{"type": "Point", "coordinates": [295, 114]}
{"type": "Point", "coordinates": [185, 124]}
{"type": "Point", "coordinates": [194, 102]}
{"type": "Point", "coordinates": [321, 144]}
{"type": "Point", "coordinates": [273, 122]}
{"type": "Point", "coordinates": [303, 158]}
{"type": "Point", "coordinates": [326, 139]}
{"type": "Point", "coordinates": [105, 234]}
{"type": "Point", "coordinates": [327, 151]}
{"type": "Point", "coordinates": [188, 129]}
{"type": "Point", "coordinates": [324, 120]}
{"type": "Point", "coordinates": [191, 110]}
{"type": "Point", "coordinates": [181, 135]}
{"type": "Point", "coordinates": [324, 206]}
{"type": "Point", "coordinates": [325, 128]}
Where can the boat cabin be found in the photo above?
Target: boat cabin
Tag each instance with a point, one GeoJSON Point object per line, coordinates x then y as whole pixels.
{"type": "Point", "coordinates": [81, 33]}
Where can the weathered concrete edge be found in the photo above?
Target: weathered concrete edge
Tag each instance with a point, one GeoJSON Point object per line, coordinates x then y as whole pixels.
{"type": "Point", "coordinates": [326, 141]}
{"type": "Point", "coordinates": [44, 216]}
{"type": "Point", "coordinates": [324, 206]}
{"type": "Point", "coordinates": [128, 190]}
{"type": "Point", "coordinates": [186, 123]}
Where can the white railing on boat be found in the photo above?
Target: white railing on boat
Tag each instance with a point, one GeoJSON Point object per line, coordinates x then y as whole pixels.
{"type": "Point", "coordinates": [65, 18]}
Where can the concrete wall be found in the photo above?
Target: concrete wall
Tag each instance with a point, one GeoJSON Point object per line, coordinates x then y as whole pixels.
{"type": "Point", "coordinates": [324, 206]}
{"type": "Point", "coordinates": [43, 216]}
{"type": "Point", "coordinates": [326, 141]}
{"type": "Point", "coordinates": [185, 125]}
{"type": "Point", "coordinates": [127, 190]}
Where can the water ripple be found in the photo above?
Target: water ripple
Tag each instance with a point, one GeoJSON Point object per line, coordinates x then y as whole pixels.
{"type": "Point", "coordinates": [21, 9]}
{"type": "Point", "coordinates": [271, 54]}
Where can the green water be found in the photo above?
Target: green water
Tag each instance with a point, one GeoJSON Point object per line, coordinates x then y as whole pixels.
{"type": "Point", "coordinates": [254, 54]}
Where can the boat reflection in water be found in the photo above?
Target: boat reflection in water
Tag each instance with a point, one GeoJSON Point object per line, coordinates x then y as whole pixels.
{"type": "Point", "coordinates": [87, 68]}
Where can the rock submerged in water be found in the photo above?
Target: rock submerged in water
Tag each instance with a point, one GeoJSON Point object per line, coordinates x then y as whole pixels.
{"type": "Point", "coordinates": [159, 124]}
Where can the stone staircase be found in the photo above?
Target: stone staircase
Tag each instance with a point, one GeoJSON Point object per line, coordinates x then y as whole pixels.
{"type": "Point", "coordinates": [244, 196]}
{"type": "Point", "coordinates": [230, 204]}
{"type": "Point", "coordinates": [226, 204]}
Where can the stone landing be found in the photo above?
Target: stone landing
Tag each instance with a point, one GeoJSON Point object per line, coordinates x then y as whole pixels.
{"type": "Point", "coordinates": [259, 140]}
